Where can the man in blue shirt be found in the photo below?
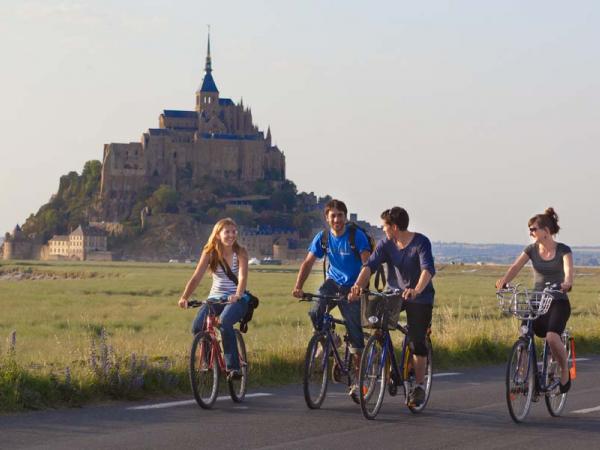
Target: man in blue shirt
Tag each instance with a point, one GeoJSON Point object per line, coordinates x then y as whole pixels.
{"type": "Point", "coordinates": [345, 264]}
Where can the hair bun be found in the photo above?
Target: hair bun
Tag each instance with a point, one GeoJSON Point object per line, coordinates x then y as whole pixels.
{"type": "Point", "coordinates": [550, 212]}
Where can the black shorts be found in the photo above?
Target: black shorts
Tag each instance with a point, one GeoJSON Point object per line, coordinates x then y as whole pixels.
{"type": "Point", "coordinates": [418, 319]}
{"type": "Point", "coordinates": [554, 320]}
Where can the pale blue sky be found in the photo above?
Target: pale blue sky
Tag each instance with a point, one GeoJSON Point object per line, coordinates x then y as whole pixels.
{"type": "Point", "coordinates": [472, 115]}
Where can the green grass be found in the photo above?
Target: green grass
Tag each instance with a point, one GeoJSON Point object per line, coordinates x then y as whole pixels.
{"type": "Point", "coordinates": [146, 336]}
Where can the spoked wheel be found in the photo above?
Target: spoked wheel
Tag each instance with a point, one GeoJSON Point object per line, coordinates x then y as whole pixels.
{"type": "Point", "coordinates": [204, 370]}
{"type": "Point", "coordinates": [373, 377]}
{"type": "Point", "coordinates": [427, 382]}
{"type": "Point", "coordinates": [237, 387]}
{"type": "Point", "coordinates": [555, 401]}
{"type": "Point", "coordinates": [519, 381]}
{"type": "Point", "coordinates": [316, 373]}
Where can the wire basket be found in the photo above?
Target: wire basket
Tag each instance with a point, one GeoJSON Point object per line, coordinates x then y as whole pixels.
{"type": "Point", "coordinates": [373, 308]}
{"type": "Point", "coordinates": [524, 304]}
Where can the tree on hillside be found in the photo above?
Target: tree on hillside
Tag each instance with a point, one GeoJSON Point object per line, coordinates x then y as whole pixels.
{"type": "Point", "coordinates": [164, 200]}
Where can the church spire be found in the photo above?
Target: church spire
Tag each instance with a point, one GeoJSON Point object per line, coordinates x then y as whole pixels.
{"type": "Point", "coordinates": [208, 66]}
{"type": "Point", "coordinates": [208, 84]}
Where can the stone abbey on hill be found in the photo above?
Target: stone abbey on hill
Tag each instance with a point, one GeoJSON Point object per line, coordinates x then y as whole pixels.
{"type": "Point", "coordinates": [217, 140]}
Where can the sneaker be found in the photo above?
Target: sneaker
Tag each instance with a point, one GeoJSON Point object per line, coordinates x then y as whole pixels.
{"type": "Point", "coordinates": [353, 389]}
{"type": "Point", "coordinates": [417, 396]}
{"type": "Point", "coordinates": [234, 375]}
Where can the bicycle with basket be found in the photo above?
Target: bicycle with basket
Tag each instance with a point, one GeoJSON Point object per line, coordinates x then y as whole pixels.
{"type": "Point", "coordinates": [380, 370]}
{"type": "Point", "coordinates": [525, 380]}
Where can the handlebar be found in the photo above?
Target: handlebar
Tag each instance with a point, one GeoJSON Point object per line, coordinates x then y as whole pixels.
{"type": "Point", "coordinates": [308, 297]}
{"type": "Point", "coordinates": [384, 294]}
{"type": "Point", "coordinates": [197, 303]}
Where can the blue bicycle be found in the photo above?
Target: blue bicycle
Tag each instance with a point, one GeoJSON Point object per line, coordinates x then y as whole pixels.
{"type": "Point", "coordinates": [322, 356]}
{"type": "Point", "coordinates": [379, 368]}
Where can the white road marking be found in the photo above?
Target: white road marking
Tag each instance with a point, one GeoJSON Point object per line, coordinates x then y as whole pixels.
{"type": "Point", "coordinates": [582, 359]}
{"type": "Point", "coordinates": [189, 402]}
{"type": "Point", "coordinates": [587, 410]}
{"type": "Point", "coordinates": [447, 374]}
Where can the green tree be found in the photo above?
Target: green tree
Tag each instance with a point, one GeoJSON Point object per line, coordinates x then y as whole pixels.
{"type": "Point", "coordinates": [164, 199]}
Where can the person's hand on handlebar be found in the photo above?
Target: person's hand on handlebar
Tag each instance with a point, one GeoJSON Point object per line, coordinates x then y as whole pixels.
{"type": "Point", "coordinates": [354, 293]}
{"type": "Point", "coordinates": [298, 292]}
{"type": "Point", "coordinates": [182, 303]}
{"type": "Point", "coordinates": [409, 293]}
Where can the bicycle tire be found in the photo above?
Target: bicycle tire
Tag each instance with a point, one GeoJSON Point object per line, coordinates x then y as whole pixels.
{"type": "Point", "coordinates": [520, 381]}
{"type": "Point", "coordinates": [373, 377]}
{"type": "Point", "coordinates": [316, 373]}
{"type": "Point", "coordinates": [555, 401]}
{"type": "Point", "coordinates": [237, 387]}
{"type": "Point", "coordinates": [428, 379]}
{"type": "Point", "coordinates": [204, 370]}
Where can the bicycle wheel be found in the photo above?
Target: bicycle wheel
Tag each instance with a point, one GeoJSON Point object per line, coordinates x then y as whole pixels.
{"type": "Point", "coordinates": [204, 370]}
{"type": "Point", "coordinates": [237, 387]}
{"type": "Point", "coordinates": [373, 377]}
{"type": "Point", "coordinates": [316, 373]}
{"type": "Point", "coordinates": [555, 401]}
{"type": "Point", "coordinates": [519, 381]}
{"type": "Point", "coordinates": [428, 379]}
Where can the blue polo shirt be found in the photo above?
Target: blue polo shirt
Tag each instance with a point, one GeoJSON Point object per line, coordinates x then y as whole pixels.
{"type": "Point", "coordinates": [405, 265]}
{"type": "Point", "coordinates": [344, 265]}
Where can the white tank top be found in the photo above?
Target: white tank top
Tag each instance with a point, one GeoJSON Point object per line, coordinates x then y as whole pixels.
{"type": "Point", "coordinates": [221, 284]}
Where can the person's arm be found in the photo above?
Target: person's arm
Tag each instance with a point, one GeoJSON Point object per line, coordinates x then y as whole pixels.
{"type": "Point", "coordinates": [370, 264]}
{"type": "Point", "coordinates": [242, 278]}
{"type": "Point", "coordinates": [427, 270]}
{"type": "Point", "coordinates": [303, 274]}
{"type": "Point", "coordinates": [568, 265]}
{"type": "Point", "coordinates": [192, 284]}
{"type": "Point", "coordinates": [513, 270]}
{"type": "Point", "coordinates": [360, 283]}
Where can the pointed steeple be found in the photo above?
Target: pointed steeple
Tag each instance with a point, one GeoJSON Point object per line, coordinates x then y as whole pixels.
{"type": "Point", "coordinates": [268, 139]}
{"type": "Point", "coordinates": [208, 84]}
{"type": "Point", "coordinates": [208, 66]}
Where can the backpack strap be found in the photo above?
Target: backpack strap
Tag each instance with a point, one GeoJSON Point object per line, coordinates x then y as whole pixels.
{"type": "Point", "coordinates": [325, 247]}
{"type": "Point", "coordinates": [352, 238]}
{"type": "Point", "coordinates": [225, 266]}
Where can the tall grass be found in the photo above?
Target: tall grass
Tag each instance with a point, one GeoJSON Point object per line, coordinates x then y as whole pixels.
{"type": "Point", "coordinates": [86, 331]}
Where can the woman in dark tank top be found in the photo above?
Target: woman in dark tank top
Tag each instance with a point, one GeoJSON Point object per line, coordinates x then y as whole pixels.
{"type": "Point", "coordinates": [552, 263]}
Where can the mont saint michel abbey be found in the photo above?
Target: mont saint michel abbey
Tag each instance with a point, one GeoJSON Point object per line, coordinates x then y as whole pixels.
{"type": "Point", "coordinates": [217, 139]}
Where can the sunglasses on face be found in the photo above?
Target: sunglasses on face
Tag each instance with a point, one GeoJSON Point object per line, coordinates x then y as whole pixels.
{"type": "Point", "coordinates": [532, 229]}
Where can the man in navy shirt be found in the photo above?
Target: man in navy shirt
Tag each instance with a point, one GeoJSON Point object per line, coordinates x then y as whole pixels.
{"type": "Point", "coordinates": [410, 268]}
{"type": "Point", "coordinates": [345, 264]}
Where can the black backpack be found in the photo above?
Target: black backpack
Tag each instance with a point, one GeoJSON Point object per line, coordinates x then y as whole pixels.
{"type": "Point", "coordinates": [352, 227]}
{"type": "Point", "coordinates": [252, 302]}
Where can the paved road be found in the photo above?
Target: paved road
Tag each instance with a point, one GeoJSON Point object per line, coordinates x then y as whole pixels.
{"type": "Point", "coordinates": [466, 410]}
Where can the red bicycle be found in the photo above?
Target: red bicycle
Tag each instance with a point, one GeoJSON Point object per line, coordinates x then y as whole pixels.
{"type": "Point", "coordinates": [207, 362]}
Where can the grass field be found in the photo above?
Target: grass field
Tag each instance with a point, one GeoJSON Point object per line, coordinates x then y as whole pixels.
{"type": "Point", "coordinates": [62, 355]}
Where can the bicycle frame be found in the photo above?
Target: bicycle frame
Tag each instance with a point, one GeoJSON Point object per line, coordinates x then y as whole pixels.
{"type": "Point", "coordinates": [210, 326]}
{"type": "Point", "coordinates": [327, 327]}
{"type": "Point", "coordinates": [539, 377]}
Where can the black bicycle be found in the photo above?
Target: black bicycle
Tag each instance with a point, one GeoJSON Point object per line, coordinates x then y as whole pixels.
{"type": "Point", "coordinates": [207, 362]}
{"type": "Point", "coordinates": [379, 368]}
{"type": "Point", "coordinates": [322, 356]}
{"type": "Point", "coordinates": [525, 381]}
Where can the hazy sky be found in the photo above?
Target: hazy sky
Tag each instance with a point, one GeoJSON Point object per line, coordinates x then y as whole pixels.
{"type": "Point", "coordinates": [473, 115]}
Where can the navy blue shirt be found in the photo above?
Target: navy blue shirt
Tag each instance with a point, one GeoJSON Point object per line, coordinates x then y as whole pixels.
{"type": "Point", "coordinates": [405, 265]}
{"type": "Point", "coordinates": [344, 265]}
